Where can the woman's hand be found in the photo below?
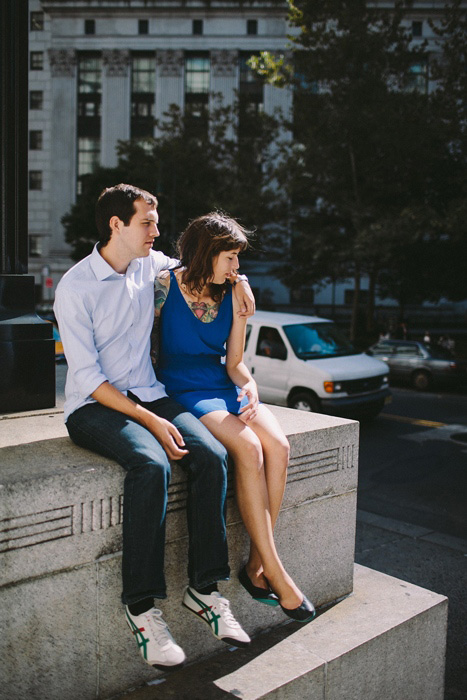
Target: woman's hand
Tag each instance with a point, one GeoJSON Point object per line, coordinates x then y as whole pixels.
{"type": "Point", "coordinates": [248, 412]}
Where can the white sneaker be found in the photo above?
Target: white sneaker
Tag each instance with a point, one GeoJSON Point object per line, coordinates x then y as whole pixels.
{"type": "Point", "coordinates": [156, 644]}
{"type": "Point", "coordinates": [215, 610]}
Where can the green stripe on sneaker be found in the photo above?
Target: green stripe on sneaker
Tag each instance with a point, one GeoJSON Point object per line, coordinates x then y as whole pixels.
{"type": "Point", "coordinates": [141, 640]}
{"type": "Point", "coordinates": [206, 613]}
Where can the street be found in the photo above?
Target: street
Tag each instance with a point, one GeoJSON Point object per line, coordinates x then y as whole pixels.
{"type": "Point", "coordinates": [413, 506]}
{"type": "Point", "coordinates": [413, 461]}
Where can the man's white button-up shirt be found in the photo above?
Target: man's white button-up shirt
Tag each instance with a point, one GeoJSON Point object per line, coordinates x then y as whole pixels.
{"type": "Point", "coordinates": [105, 321]}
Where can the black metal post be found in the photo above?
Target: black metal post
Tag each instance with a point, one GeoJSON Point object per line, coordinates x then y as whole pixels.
{"type": "Point", "coordinates": [27, 358]}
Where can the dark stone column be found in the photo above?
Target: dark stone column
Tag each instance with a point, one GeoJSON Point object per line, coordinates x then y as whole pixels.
{"type": "Point", "coordinates": [27, 358]}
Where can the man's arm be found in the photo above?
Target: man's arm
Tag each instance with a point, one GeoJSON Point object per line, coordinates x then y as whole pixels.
{"type": "Point", "coordinates": [76, 332]}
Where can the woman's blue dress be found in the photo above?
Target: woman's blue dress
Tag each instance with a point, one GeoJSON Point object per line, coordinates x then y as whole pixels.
{"type": "Point", "coordinates": [190, 353]}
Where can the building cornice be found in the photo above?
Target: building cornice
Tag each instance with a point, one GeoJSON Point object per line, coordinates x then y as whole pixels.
{"type": "Point", "coordinates": [154, 7]}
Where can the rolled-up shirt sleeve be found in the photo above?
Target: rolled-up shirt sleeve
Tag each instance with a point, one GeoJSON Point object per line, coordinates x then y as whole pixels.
{"type": "Point", "coordinates": [85, 374]}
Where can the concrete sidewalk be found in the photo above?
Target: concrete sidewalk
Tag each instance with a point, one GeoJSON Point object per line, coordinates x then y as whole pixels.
{"type": "Point", "coordinates": [414, 554]}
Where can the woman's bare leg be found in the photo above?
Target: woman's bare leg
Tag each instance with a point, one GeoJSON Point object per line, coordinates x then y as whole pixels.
{"type": "Point", "coordinates": [245, 447]}
{"type": "Point", "coordinates": [276, 451]}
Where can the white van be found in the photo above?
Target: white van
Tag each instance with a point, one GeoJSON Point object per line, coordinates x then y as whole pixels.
{"type": "Point", "coordinates": [306, 362]}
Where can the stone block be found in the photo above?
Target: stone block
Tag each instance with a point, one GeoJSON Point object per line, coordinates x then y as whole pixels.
{"type": "Point", "coordinates": [48, 637]}
{"type": "Point", "coordinates": [387, 640]}
{"type": "Point", "coordinates": [60, 522]}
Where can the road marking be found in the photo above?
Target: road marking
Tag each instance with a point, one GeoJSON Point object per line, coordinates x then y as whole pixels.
{"type": "Point", "coordinates": [413, 421]}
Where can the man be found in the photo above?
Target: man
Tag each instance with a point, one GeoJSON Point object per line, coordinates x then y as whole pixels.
{"type": "Point", "coordinates": [116, 407]}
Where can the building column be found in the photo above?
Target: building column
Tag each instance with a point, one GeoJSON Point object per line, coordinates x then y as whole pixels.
{"type": "Point", "coordinates": [224, 80]}
{"type": "Point", "coordinates": [169, 81]}
{"type": "Point", "coordinates": [115, 122]}
{"type": "Point", "coordinates": [63, 149]}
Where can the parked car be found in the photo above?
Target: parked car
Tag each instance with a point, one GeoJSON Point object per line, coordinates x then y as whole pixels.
{"type": "Point", "coordinates": [419, 364]}
{"type": "Point", "coordinates": [306, 362]}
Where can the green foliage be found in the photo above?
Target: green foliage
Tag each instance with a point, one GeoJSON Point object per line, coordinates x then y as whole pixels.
{"type": "Point", "coordinates": [193, 168]}
{"type": "Point", "coordinates": [375, 163]}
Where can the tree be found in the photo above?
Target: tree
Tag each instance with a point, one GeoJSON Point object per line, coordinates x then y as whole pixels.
{"type": "Point", "coordinates": [193, 167]}
{"type": "Point", "coordinates": [367, 146]}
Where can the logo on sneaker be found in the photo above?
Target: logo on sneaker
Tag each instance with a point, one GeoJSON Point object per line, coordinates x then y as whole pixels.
{"type": "Point", "coordinates": [141, 640]}
{"type": "Point", "coordinates": [206, 613]}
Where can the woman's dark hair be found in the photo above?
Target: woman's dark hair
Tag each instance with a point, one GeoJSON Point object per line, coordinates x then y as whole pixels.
{"type": "Point", "coordinates": [202, 240]}
{"type": "Point", "coordinates": [118, 201]}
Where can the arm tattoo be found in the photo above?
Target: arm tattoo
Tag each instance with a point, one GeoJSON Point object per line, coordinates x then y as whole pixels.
{"type": "Point", "coordinates": [161, 290]}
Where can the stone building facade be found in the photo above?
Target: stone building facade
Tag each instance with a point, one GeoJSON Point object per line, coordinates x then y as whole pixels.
{"type": "Point", "coordinates": [102, 70]}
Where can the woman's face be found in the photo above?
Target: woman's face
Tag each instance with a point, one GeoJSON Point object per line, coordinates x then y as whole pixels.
{"type": "Point", "coordinates": [224, 265]}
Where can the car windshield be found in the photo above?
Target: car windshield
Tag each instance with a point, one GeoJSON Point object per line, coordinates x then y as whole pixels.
{"type": "Point", "coordinates": [317, 340]}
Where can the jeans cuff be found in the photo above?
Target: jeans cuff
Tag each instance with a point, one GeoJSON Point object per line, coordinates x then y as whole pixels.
{"type": "Point", "coordinates": [209, 581]}
{"type": "Point", "coordinates": [126, 599]}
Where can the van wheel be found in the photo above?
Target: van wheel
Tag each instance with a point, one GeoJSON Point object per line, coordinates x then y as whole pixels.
{"type": "Point", "coordinates": [305, 401]}
{"type": "Point", "coordinates": [421, 381]}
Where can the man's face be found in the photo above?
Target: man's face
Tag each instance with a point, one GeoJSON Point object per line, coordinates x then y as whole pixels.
{"type": "Point", "coordinates": [137, 238]}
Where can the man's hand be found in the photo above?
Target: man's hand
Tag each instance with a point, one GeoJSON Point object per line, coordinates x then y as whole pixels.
{"type": "Point", "coordinates": [167, 434]}
{"type": "Point", "coordinates": [245, 299]}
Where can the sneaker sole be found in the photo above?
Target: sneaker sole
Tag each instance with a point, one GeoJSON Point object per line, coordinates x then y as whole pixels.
{"type": "Point", "coordinates": [227, 640]}
{"type": "Point", "coordinates": [161, 667]}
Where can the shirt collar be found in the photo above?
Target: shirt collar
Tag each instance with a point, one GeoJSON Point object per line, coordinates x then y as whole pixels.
{"type": "Point", "coordinates": [103, 270]}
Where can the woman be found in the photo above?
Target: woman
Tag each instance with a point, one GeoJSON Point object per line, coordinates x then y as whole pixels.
{"type": "Point", "coordinates": [197, 314]}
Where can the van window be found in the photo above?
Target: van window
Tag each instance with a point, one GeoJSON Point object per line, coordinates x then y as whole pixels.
{"type": "Point", "coordinates": [317, 340]}
{"type": "Point", "coordinates": [270, 344]}
{"type": "Point", "coordinates": [247, 335]}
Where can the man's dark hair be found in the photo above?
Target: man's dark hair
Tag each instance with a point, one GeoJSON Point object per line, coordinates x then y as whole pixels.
{"type": "Point", "coordinates": [118, 201]}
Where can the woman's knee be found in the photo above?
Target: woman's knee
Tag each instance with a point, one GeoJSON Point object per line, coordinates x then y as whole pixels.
{"type": "Point", "coordinates": [277, 447]}
{"type": "Point", "coordinates": [248, 451]}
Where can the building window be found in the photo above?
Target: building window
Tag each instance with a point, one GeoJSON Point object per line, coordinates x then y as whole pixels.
{"type": "Point", "coordinates": [252, 26]}
{"type": "Point", "coordinates": [36, 98]}
{"type": "Point", "coordinates": [89, 113]}
{"type": "Point", "coordinates": [89, 94]}
{"type": "Point", "coordinates": [198, 27]}
{"type": "Point", "coordinates": [197, 76]}
{"type": "Point", "coordinates": [251, 96]}
{"type": "Point", "coordinates": [35, 246]}
{"type": "Point", "coordinates": [143, 77]}
{"type": "Point", "coordinates": [36, 21]}
{"type": "Point", "coordinates": [418, 77]}
{"type": "Point", "coordinates": [89, 26]}
{"type": "Point", "coordinates": [36, 60]}
{"type": "Point", "coordinates": [417, 28]}
{"type": "Point", "coordinates": [143, 26]}
{"type": "Point", "coordinates": [89, 150]}
{"type": "Point", "coordinates": [35, 179]}
{"type": "Point", "coordinates": [35, 140]}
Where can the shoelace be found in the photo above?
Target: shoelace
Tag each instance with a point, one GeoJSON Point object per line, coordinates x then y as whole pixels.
{"type": "Point", "coordinates": [226, 612]}
{"type": "Point", "coordinates": [159, 627]}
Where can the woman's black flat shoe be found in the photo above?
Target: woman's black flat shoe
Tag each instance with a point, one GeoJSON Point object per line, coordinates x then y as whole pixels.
{"type": "Point", "coordinates": [306, 611]}
{"type": "Point", "coordinates": [262, 595]}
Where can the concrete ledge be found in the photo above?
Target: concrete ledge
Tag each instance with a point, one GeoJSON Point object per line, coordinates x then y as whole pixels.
{"type": "Point", "coordinates": [60, 560]}
{"type": "Point", "coordinates": [387, 640]}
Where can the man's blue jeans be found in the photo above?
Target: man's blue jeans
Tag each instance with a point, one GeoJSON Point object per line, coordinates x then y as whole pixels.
{"type": "Point", "coordinates": [117, 436]}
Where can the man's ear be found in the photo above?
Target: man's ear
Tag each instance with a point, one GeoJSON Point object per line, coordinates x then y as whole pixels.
{"type": "Point", "coordinates": [115, 223]}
